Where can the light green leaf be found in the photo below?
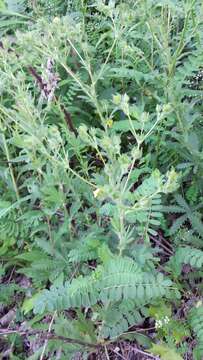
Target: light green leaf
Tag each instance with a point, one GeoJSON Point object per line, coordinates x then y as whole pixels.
{"type": "Point", "coordinates": [125, 125]}
{"type": "Point", "coordinates": [2, 5]}
{"type": "Point", "coordinates": [165, 352]}
{"type": "Point", "coordinates": [28, 304]}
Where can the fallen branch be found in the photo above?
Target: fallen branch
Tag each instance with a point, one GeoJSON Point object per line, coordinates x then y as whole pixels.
{"type": "Point", "coordinates": [138, 351]}
{"type": "Point", "coordinates": [49, 336]}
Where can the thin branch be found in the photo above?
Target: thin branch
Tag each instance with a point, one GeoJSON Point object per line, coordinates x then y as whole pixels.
{"type": "Point", "coordinates": [106, 353]}
{"type": "Point", "coordinates": [167, 243]}
{"type": "Point", "coordinates": [48, 336]}
{"type": "Point", "coordinates": [140, 330]}
{"type": "Point", "coordinates": [138, 351]}
{"type": "Point", "coordinates": [46, 341]}
{"type": "Point", "coordinates": [121, 356]}
{"type": "Point", "coordinates": [167, 250]}
{"type": "Point", "coordinates": [4, 141]}
{"type": "Point", "coordinates": [72, 341]}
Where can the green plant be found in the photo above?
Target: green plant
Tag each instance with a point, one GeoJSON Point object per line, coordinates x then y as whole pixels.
{"type": "Point", "coordinates": [196, 323]}
{"type": "Point", "coordinates": [189, 213]}
{"type": "Point", "coordinates": [100, 137]}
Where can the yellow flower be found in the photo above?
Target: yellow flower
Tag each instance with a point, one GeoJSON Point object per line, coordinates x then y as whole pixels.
{"type": "Point", "coordinates": [109, 122]}
{"type": "Point", "coordinates": [117, 99]}
{"type": "Point", "coordinates": [97, 192]}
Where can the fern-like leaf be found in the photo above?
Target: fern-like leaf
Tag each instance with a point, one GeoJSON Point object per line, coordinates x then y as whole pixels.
{"type": "Point", "coordinates": [187, 212]}
{"type": "Point", "coordinates": [118, 318]}
{"type": "Point", "coordinates": [121, 279]}
{"type": "Point", "coordinates": [186, 255]}
{"type": "Point", "coordinates": [196, 323]}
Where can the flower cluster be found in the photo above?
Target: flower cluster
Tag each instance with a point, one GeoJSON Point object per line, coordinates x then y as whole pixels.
{"type": "Point", "coordinates": [161, 322]}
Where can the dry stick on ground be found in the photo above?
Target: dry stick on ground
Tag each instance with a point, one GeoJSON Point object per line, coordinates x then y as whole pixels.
{"type": "Point", "coordinates": [11, 274]}
{"type": "Point", "coordinates": [117, 353]}
{"type": "Point", "coordinates": [46, 341]}
{"type": "Point", "coordinates": [73, 341]}
{"type": "Point", "coordinates": [167, 243]}
{"type": "Point", "coordinates": [51, 336]}
{"type": "Point", "coordinates": [106, 353]}
{"type": "Point", "coordinates": [168, 251]}
{"type": "Point", "coordinates": [138, 351]}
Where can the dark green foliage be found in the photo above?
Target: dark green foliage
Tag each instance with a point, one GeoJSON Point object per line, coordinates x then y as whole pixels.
{"type": "Point", "coordinates": [186, 255]}
{"type": "Point", "coordinates": [7, 293]}
{"type": "Point", "coordinates": [188, 213]}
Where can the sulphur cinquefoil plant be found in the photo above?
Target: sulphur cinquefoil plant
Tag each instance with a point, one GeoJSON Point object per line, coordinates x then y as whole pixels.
{"type": "Point", "coordinates": [101, 229]}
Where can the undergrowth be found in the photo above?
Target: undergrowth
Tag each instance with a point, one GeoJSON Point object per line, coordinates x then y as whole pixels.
{"type": "Point", "coordinates": [101, 165]}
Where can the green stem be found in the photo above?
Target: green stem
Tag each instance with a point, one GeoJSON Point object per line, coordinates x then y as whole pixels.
{"type": "Point", "coordinates": [10, 167]}
{"type": "Point", "coordinates": [121, 245]}
{"type": "Point", "coordinates": [181, 44]}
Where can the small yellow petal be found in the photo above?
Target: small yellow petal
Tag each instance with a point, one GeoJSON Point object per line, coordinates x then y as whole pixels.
{"type": "Point", "coordinates": [109, 122]}
{"type": "Point", "coordinates": [96, 192]}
